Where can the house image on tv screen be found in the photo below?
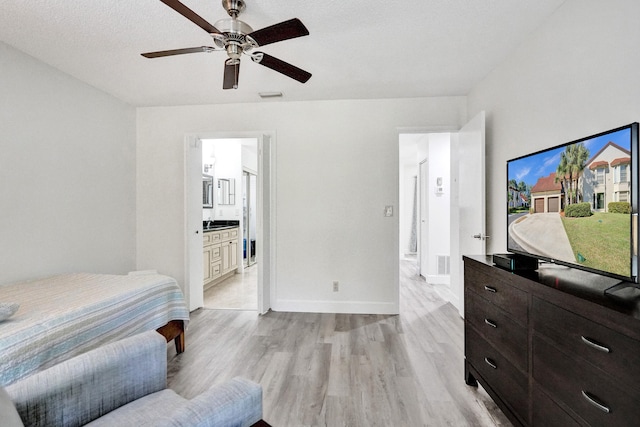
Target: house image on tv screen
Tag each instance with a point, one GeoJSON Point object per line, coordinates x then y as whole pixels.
{"type": "Point", "coordinates": [547, 195]}
{"type": "Point", "coordinates": [606, 177]}
{"type": "Point", "coordinates": [576, 178]}
{"type": "Point", "coordinates": [518, 198]}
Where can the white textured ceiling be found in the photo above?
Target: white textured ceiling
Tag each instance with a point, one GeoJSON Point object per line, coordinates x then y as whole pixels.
{"type": "Point", "coordinates": [357, 49]}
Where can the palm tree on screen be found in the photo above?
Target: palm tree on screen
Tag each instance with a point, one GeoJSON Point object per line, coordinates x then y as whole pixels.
{"type": "Point", "coordinates": [573, 160]}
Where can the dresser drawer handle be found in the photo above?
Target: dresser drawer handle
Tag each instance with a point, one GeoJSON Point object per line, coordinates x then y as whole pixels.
{"type": "Point", "coordinates": [490, 289]}
{"type": "Point", "coordinates": [595, 345]}
{"type": "Point", "coordinates": [491, 323]}
{"type": "Point", "coordinates": [591, 399]}
{"type": "Point", "coordinates": [490, 363]}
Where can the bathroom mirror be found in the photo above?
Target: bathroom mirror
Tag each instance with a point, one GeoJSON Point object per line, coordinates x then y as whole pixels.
{"type": "Point", "coordinates": [226, 191]}
{"type": "Point", "coordinates": [207, 191]}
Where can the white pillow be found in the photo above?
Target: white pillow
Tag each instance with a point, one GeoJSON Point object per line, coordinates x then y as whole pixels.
{"type": "Point", "coordinates": [7, 309]}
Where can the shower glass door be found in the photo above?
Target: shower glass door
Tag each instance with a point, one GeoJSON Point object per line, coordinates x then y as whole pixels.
{"type": "Point", "coordinates": [249, 188]}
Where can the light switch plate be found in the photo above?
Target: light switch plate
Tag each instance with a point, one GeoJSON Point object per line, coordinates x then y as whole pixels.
{"type": "Point", "coordinates": [388, 210]}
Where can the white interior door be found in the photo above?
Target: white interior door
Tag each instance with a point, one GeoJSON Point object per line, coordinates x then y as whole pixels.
{"type": "Point", "coordinates": [423, 241]}
{"type": "Point", "coordinates": [468, 205]}
{"type": "Point", "coordinates": [193, 223]}
{"type": "Point", "coordinates": [266, 220]}
{"type": "Point", "coordinates": [472, 187]}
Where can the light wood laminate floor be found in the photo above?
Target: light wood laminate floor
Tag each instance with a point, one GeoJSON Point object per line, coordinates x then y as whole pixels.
{"type": "Point", "coordinates": [342, 369]}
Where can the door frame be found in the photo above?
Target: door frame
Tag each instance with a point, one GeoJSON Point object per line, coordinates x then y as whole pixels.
{"type": "Point", "coordinates": [423, 225]}
{"type": "Point", "coordinates": [266, 215]}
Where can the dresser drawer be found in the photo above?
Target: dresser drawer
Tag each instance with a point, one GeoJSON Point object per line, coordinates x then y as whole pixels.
{"type": "Point", "coordinates": [593, 396]}
{"type": "Point", "coordinates": [547, 413]}
{"type": "Point", "coordinates": [496, 326]}
{"type": "Point", "coordinates": [499, 374]}
{"type": "Point", "coordinates": [498, 291]}
{"type": "Point", "coordinates": [611, 351]}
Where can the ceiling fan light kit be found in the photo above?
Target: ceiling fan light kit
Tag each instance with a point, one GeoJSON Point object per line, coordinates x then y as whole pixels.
{"type": "Point", "coordinates": [236, 37]}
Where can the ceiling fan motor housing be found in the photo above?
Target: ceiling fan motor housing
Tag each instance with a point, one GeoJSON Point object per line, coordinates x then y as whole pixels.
{"type": "Point", "coordinates": [233, 7]}
{"type": "Point", "coordinates": [233, 37]}
{"type": "Point", "coordinates": [233, 27]}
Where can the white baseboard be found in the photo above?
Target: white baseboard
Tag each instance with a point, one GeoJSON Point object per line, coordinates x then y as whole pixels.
{"type": "Point", "coordinates": [343, 307]}
{"type": "Point", "coordinates": [436, 279]}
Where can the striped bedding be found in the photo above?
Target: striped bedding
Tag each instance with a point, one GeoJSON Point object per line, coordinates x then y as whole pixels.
{"type": "Point", "coordinates": [64, 315]}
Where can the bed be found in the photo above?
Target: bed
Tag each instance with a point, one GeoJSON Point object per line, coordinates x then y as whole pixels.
{"type": "Point", "coordinates": [65, 315]}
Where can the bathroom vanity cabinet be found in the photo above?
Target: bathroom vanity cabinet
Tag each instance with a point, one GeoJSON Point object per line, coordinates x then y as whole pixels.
{"type": "Point", "coordinates": [220, 255]}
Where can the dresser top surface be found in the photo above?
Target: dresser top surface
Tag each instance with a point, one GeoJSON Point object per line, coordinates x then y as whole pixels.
{"type": "Point", "coordinates": [579, 283]}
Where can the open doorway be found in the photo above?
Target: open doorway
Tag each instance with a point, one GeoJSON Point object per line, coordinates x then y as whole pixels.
{"type": "Point", "coordinates": [451, 202]}
{"type": "Point", "coordinates": [195, 161]}
{"type": "Point", "coordinates": [229, 224]}
{"type": "Point", "coordinates": [425, 206]}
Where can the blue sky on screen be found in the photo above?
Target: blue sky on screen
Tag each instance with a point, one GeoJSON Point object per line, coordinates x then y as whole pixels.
{"type": "Point", "coordinates": [530, 168]}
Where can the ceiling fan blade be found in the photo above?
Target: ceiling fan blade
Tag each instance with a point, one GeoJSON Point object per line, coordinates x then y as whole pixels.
{"type": "Point", "coordinates": [231, 74]}
{"type": "Point", "coordinates": [191, 15]}
{"type": "Point", "coordinates": [162, 53]}
{"type": "Point", "coordinates": [282, 67]}
{"type": "Point", "coordinates": [283, 31]}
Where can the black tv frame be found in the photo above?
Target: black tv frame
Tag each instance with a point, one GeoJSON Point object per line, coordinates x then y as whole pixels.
{"type": "Point", "coordinates": [626, 281]}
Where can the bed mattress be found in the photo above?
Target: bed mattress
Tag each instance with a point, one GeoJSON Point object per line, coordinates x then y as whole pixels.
{"type": "Point", "coordinates": [65, 315]}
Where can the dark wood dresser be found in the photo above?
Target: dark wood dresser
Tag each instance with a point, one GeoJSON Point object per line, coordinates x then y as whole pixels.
{"type": "Point", "coordinates": [550, 348]}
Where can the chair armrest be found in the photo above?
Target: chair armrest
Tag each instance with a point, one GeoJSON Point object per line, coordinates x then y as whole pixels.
{"type": "Point", "coordinates": [237, 402]}
{"type": "Point", "coordinates": [84, 388]}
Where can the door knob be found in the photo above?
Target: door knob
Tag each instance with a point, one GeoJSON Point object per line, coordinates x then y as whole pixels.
{"type": "Point", "coordinates": [480, 236]}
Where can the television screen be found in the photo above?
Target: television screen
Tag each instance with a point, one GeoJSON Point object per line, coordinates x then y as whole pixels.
{"type": "Point", "coordinates": [576, 204]}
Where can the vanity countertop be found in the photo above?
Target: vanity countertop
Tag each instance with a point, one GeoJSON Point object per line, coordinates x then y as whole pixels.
{"type": "Point", "coordinates": [208, 226]}
{"type": "Point", "coordinates": [218, 227]}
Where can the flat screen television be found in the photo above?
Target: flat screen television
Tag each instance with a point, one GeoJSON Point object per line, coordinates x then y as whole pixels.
{"type": "Point", "coordinates": [576, 204]}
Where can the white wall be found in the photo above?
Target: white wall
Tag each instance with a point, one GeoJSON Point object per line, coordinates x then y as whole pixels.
{"type": "Point", "coordinates": [337, 167]}
{"type": "Point", "coordinates": [228, 165]}
{"type": "Point", "coordinates": [439, 204]}
{"type": "Point", "coordinates": [575, 76]}
{"type": "Point", "coordinates": [67, 174]}
{"type": "Point", "coordinates": [250, 154]}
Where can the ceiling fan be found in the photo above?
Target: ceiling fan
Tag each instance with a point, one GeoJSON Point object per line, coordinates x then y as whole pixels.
{"type": "Point", "coordinates": [237, 37]}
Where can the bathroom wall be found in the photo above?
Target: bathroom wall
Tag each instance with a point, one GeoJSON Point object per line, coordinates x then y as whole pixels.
{"type": "Point", "coordinates": [227, 164]}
